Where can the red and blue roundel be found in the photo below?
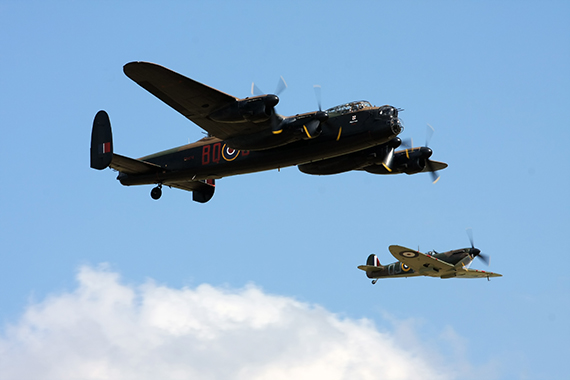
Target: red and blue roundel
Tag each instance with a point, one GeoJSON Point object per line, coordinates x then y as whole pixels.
{"type": "Point", "coordinates": [229, 154]}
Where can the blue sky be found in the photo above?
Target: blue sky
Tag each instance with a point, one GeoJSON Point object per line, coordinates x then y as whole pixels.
{"type": "Point", "coordinates": [491, 77]}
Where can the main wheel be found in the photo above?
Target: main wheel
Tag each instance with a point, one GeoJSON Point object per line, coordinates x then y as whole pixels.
{"type": "Point", "coordinates": [156, 193]}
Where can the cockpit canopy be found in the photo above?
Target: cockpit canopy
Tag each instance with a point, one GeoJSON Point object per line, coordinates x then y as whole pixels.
{"type": "Point", "coordinates": [349, 107]}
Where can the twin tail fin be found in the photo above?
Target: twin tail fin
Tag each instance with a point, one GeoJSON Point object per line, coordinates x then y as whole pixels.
{"type": "Point", "coordinates": [101, 142]}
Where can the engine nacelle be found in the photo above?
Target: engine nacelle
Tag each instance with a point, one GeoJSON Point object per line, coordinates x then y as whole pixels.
{"type": "Point", "coordinates": [279, 131]}
{"type": "Point", "coordinates": [378, 169]}
{"type": "Point", "coordinates": [333, 165]}
{"type": "Point", "coordinates": [414, 165]}
{"type": "Point", "coordinates": [257, 109]}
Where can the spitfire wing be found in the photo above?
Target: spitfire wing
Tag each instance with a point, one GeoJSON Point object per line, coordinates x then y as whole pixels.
{"type": "Point", "coordinates": [420, 262]}
{"type": "Point", "coordinates": [474, 273]}
{"type": "Point", "coordinates": [192, 99]}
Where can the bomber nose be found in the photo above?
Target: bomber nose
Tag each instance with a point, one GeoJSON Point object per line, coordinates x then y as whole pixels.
{"type": "Point", "coordinates": [396, 125]}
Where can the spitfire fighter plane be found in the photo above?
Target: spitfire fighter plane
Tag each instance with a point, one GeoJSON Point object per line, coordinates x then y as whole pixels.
{"type": "Point", "coordinates": [413, 263]}
{"type": "Point", "coordinates": [248, 135]}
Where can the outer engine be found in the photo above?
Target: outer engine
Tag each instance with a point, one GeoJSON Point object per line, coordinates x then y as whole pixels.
{"type": "Point", "coordinates": [257, 109]}
{"type": "Point", "coordinates": [410, 161]}
{"type": "Point", "coordinates": [414, 165]}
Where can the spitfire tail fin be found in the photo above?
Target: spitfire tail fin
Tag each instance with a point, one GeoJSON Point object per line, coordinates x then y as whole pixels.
{"type": "Point", "coordinates": [373, 261]}
{"type": "Point", "coordinates": [101, 142]}
{"type": "Point", "coordinates": [372, 264]}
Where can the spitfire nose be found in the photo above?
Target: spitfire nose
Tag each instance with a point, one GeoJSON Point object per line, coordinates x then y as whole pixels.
{"type": "Point", "coordinates": [475, 252]}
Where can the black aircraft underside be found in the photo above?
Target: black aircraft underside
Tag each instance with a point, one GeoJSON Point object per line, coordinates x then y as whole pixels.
{"type": "Point", "coordinates": [247, 136]}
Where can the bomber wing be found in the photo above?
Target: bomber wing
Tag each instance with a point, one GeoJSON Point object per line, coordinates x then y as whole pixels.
{"type": "Point", "coordinates": [192, 99]}
{"type": "Point", "coordinates": [420, 262]}
{"type": "Point", "coordinates": [436, 165]}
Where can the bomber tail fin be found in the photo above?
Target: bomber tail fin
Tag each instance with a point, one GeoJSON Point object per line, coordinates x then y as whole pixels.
{"type": "Point", "coordinates": [101, 142]}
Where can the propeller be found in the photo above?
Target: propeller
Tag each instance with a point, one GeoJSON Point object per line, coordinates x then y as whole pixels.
{"type": "Point", "coordinates": [429, 164]}
{"type": "Point", "coordinates": [390, 148]}
{"type": "Point", "coordinates": [323, 116]}
{"type": "Point", "coordinates": [475, 252]}
{"type": "Point", "coordinates": [409, 144]}
{"type": "Point", "coordinates": [281, 86]}
{"type": "Point", "coordinates": [275, 120]}
{"type": "Point", "coordinates": [317, 88]}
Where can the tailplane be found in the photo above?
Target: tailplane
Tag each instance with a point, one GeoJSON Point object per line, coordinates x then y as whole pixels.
{"type": "Point", "coordinates": [101, 142]}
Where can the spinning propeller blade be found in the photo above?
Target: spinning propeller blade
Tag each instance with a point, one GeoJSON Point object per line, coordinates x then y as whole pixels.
{"type": "Point", "coordinates": [390, 148]}
{"type": "Point", "coordinates": [429, 134]}
{"type": "Point", "coordinates": [388, 161]}
{"type": "Point", "coordinates": [281, 86]}
{"type": "Point", "coordinates": [255, 90]}
{"type": "Point", "coordinates": [475, 252]}
{"type": "Point", "coordinates": [434, 176]}
{"type": "Point", "coordinates": [317, 88]}
{"type": "Point", "coordinates": [409, 145]}
{"type": "Point", "coordinates": [275, 121]}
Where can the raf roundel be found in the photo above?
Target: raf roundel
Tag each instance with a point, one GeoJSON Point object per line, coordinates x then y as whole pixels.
{"type": "Point", "coordinates": [229, 154]}
{"type": "Point", "coordinates": [409, 254]}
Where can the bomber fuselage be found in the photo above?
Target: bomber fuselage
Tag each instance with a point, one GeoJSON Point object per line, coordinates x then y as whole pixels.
{"type": "Point", "coordinates": [211, 158]}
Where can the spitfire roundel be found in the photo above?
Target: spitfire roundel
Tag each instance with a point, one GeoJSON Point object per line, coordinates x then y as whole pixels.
{"type": "Point", "coordinates": [409, 254]}
{"type": "Point", "coordinates": [229, 154]}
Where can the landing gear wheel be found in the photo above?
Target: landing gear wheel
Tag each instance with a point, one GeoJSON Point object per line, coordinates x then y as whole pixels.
{"type": "Point", "coordinates": [374, 281]}
{"type": "Point", "coordinates": [156, 192]}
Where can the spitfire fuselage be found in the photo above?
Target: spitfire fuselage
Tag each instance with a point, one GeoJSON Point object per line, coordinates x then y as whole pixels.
{"type": "Point", "coordinates": [399, 269]}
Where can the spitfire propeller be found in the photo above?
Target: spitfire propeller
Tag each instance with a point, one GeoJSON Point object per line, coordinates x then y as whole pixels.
{"type": "Point", "coordinates": [475, 252]}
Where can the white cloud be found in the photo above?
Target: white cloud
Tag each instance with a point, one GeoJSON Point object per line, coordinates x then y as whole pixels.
{"type": "Point", "coordinates": [105, 329]}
